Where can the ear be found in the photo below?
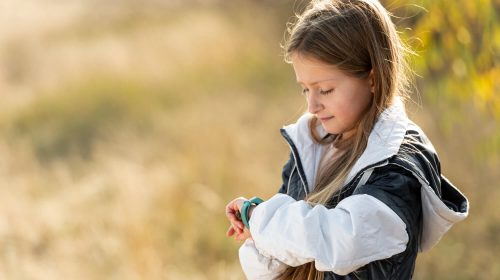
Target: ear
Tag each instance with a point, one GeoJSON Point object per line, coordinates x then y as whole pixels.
{"type": "Point", "coordinates": [371, 80]}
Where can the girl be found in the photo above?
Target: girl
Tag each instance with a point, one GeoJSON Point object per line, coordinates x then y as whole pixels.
{"type": "Point", "coordinates": [362, 192]}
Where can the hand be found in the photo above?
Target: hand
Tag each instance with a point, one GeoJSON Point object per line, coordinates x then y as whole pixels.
{"type": "Point", "coordinates": [233, 210]}
{"type": "Point", "coordinates": [244, 235]}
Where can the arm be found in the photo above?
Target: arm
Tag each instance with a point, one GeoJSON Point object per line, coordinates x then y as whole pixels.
{"type": "Point", "coordinates": [257, 266]}
{"type": "Point", "coordinates": [361, 229]}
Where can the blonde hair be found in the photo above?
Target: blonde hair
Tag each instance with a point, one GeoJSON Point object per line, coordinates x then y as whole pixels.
{"type": "Point", "coordinates": [356, 36]}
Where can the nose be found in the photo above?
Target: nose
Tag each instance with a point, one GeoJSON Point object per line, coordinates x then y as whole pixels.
{"type": "Point", "coordinates": [313, 104]}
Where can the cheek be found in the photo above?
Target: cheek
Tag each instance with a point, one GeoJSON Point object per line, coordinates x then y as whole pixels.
{"type": "Point", "coordinates": [355, 106]}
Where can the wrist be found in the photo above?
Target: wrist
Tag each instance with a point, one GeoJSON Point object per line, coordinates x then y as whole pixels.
{"type": "Point", "coordinates": [247, 209]}
{"type": "Point", "coordinates": [250, 210]}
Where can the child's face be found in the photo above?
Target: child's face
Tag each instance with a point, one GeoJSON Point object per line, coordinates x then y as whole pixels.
{"type": "Point", "coordinates": [338, 100]}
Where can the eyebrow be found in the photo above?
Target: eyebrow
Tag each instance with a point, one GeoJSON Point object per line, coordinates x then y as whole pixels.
{"type": "Point", "coordinates": [317, 82]}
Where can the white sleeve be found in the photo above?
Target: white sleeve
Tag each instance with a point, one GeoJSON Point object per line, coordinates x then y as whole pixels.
{"type": "Point", "coordinates": [257, 266]}
{"type": "Point", "coordinates": [361, 229]}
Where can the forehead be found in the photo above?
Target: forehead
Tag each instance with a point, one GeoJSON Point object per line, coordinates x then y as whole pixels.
{"type": "Point", "coordinates": [309, 70]}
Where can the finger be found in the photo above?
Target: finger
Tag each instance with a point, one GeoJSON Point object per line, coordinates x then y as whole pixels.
{"type": "Point", "coordinates": [237, 229]}
{"type": "Point", "coordinates": [234, 215]}
{"type": "Point", "coordinates": [239, 224]}
{"type": "Point", "coordinates": [236, 222]}
{"type": "Point", "coordinates": [230, 232]}
{"type": "Point", "coordinates": [237, 237]}
{"type": "Point", "coordinates": [243, 236]}
{"type": "Point", "coordinates": [230, 212]}
{"type": "Point", "coordinates": [236, 204]}
{"type": "Point", "coordinates": [240, 237]}
{"type": "Point", "coordinates": [236, 201]}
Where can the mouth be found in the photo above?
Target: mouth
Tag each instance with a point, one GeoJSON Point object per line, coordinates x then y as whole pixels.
{"type": "Point", "coordinates": [325, 119]}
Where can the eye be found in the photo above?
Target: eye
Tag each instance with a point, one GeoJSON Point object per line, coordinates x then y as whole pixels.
{"type": "Point", "coordinates": [325, 92]}
{"type": "Point", "coordinates": [305, 91]}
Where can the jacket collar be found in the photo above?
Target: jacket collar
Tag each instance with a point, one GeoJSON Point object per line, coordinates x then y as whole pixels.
{"type": "Point", "coordinates": [384, 141]}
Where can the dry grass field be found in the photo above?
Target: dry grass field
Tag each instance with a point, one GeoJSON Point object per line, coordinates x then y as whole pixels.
{"type": "Point", "coordinates": [125, 127]}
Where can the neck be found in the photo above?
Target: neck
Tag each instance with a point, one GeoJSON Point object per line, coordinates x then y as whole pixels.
{"type": "Point", "coordinates": [348, 134]}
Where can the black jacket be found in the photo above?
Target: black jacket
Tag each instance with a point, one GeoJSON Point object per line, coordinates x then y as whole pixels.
{"type": "Point", "coordinates": [399, 168]}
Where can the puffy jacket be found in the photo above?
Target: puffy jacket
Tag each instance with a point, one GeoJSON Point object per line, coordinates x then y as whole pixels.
{"type": "Point", "coordinates": [395, 203]}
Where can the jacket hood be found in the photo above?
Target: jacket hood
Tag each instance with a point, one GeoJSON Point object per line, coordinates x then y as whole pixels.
{"type": "Point", "coordinates": [442, 203]}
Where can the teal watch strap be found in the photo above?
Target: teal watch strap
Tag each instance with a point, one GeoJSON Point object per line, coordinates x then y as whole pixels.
{"type": "Point", "coordinates": [246, 207]}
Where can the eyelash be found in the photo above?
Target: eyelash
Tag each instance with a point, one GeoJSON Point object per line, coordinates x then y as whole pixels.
{"type": "Point", "coordinates": [326, 92]}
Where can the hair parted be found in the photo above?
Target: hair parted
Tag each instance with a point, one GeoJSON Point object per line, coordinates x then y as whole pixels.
{"type": "Point", "coordinates": [357, 37]}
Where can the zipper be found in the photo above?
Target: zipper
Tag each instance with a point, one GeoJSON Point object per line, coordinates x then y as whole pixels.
{"type": "Point", "coordinates": [290, 179]}
{"type": "Point", "coordinates": [300, 169]}
{"type": "Point", "coordinates": [295, 155]}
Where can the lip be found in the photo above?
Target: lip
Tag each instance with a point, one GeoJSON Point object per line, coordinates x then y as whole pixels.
{"type": "Point", "coordinates": [325, 119]}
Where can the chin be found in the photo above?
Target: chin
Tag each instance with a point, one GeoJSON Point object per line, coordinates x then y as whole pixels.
{"type": "Point", "coordinates": [331, 130]}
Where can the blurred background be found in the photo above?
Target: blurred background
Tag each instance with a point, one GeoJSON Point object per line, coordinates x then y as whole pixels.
{"type": "Point", "coordinates": [126, 126]}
